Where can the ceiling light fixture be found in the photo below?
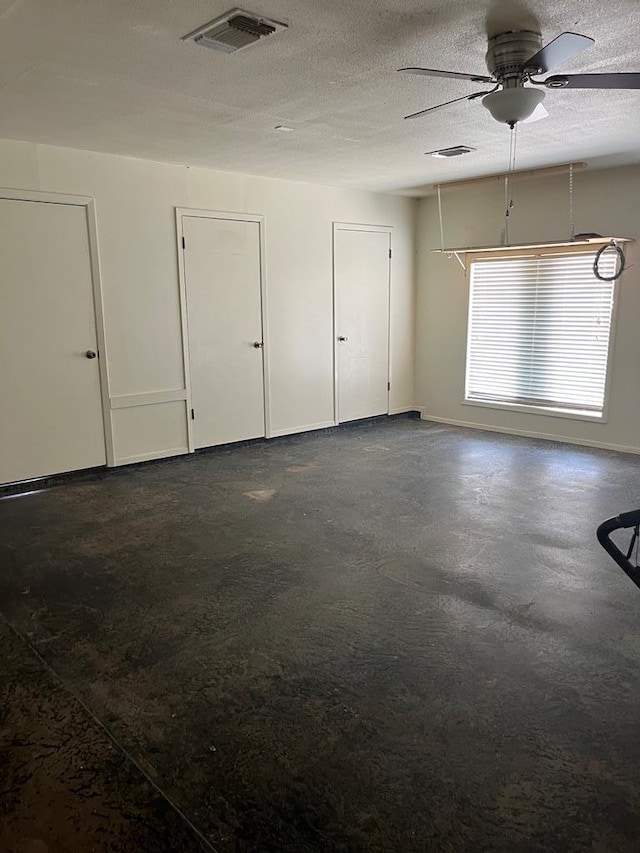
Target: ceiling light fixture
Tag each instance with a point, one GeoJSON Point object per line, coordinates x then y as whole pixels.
{"type": "Point", "coordinates": [513, 105]}
{"type": "Point", "coordinates": [283, 128]}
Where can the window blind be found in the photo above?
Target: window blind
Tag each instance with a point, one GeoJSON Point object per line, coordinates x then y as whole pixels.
{"type": "Point", "coordinates": [539, 331]}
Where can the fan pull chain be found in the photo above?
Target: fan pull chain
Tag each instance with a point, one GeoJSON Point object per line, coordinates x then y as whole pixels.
{"type": "Point", "coordinates": [508, 197]}
{"type": "Point", "coordinates": [440, 216]}
{"type": "Point", "coordinates": [572, 227]}
{"type": "Point", "coordinates": [505, 232]}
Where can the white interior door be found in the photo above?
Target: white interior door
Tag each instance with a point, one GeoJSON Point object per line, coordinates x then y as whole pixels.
{"type": "Point", "coordinates": [51, 410]}
{"type": "Point", "coordinates": [224, 315]}
{"type": "Point", "coordinates": [361, 280]}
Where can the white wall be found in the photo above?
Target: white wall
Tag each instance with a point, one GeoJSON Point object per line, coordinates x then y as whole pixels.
{"type": "Point", "coordinates": [606, 202]}
{"type": "Point", "coordinates": [135, 202]}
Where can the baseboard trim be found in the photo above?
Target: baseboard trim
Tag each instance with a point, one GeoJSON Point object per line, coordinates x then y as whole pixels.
{"type": "Point", "coordinates": [47, 481]}
{"type": "Point", "coordinates": [404, 410]}
{"type": "Point", "coordinates": [559, 439]}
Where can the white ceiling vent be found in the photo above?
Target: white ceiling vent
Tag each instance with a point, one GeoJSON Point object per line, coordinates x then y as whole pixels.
{"type": "Point", "coordinates": [234, 30]}
{"type": "Point", "coordinates": [456, 151]}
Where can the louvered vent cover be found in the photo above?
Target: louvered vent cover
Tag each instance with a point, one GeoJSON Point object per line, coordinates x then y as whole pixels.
{"type": "Point", "coordinates": [456, 151]}
{"type": "Point", "coordinates": [234, 30]}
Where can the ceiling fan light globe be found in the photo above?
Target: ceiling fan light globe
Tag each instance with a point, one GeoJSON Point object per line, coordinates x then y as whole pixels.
{"type": "Point", "coordinates": [512, 105]}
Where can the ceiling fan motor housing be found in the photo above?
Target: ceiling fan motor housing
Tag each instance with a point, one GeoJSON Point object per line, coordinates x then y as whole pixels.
{"type": "Point", "coordinates": [508, 52]}
{"type": "Point", "coordinates": [514, 58]}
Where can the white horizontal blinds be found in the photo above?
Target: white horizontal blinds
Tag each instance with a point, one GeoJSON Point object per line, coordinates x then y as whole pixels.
{"type": "Point", "coordinates": [539, 331]}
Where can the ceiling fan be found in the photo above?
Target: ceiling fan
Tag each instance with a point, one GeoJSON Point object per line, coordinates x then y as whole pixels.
{"type": "Point", "coordinates": [513, 59]}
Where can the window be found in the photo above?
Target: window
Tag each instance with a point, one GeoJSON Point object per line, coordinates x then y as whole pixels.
{"type": "Point", "coordinates": [539, 329]}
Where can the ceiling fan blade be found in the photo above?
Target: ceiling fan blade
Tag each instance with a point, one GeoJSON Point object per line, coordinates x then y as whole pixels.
{"type": "Point", "coordinates": [562, 48]}
{"type": "Point", "coordinates": [446, 104]}
{"type": "Point", "coordinates": [623, 80]}
{"type": "Point", "coordinates": [539, 113]}
{"type": "Point", "coordinates": [457, 75]}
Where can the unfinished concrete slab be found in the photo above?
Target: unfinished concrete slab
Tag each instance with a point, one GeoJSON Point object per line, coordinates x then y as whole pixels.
{"type": "Point", "coordinates": [394, 637]}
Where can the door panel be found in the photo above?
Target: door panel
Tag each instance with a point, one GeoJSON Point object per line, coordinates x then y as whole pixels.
{"type": "Point", "coordinates": [51, 412]}
{"type": "Point", "coordinates": [224, 313]}
{"type": "Point", "coordinates": [361, 276]}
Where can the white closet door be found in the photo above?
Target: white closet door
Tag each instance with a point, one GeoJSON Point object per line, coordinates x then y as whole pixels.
{"type": "Point", "coordinates": [51, 411]}
{"type": "Point", "coordinates": [224, 314]}
{"type": "Point", "coordinates": [361, 280]}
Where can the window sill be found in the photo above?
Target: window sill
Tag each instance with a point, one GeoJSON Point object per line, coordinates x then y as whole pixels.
{"type": "Point", "coordinates": [548, 411]}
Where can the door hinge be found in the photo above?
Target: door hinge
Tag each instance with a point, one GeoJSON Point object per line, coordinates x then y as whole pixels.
{"type": "Point", "coordinates": [389, 252]}
{"type": "Point", "coordinates": [193, 415]}
{"type": "Point", "coordinates": [183, 243]}
{"type": "Point", "coordinates": [388, 386]}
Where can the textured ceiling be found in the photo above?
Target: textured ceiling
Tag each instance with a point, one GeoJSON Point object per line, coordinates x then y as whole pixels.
{"type": "Point", "coordinates": [114, 76]}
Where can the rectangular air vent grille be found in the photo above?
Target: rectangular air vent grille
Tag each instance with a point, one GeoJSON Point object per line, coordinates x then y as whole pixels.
{"type": "Point", "coordinates": [455, 151]}
{"type": "Point", "coordinates": [233, 31]}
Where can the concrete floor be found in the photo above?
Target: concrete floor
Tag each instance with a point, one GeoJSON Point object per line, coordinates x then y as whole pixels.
{"type": "Point", "coordinates": [395, 637]}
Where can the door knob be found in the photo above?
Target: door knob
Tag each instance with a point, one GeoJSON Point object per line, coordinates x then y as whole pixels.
{"type": "Point", "coordinates": [258, 344]}
{"type": "Point", "coordinates": [91, 353]}
{"type": "Point", "coordinates": [343, 338]}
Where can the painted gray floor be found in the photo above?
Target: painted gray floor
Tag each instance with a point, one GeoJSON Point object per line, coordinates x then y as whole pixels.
{"type": "Point", "coordinates": [395, 637]}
